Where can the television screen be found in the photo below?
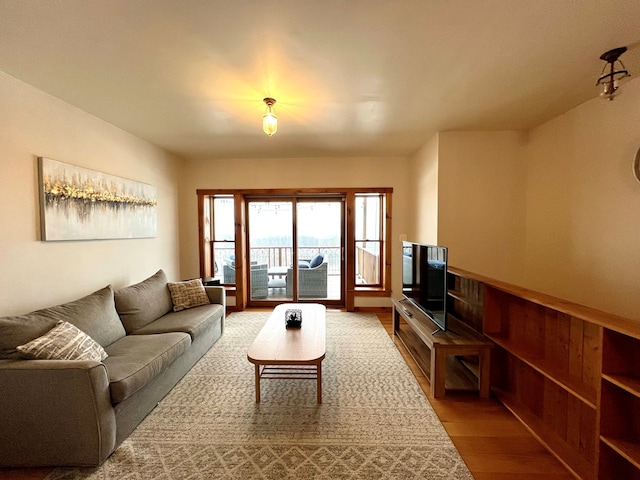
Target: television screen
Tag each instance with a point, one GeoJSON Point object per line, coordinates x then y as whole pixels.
{"type": "Point", "coordinates": [424, 279]}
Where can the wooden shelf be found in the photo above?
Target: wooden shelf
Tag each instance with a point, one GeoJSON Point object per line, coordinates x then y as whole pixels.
{"type": "Point", "coordinates": [415, 346]}
{"type": "Point", "coordinates": [471, 364]}
{"type": "Point", "coordinates": [458, 376]}
{"type": "Point", "coordinates": [465, 299]}
{"type": "Point", "coordinates": [584, 392]}
{"type": "Point", "coordinates": [629, 384]}
{"type": "Point", "coordinates": [567, 455]}
{"type": "Point", "coordinates": [628, 450]}
{"type": "Point", "coordinates": [613, 465]}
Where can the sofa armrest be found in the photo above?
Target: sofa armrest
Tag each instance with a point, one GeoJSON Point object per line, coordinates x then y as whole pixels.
{"type": "Point", "coordinates": [217, 295]}
{"type": "Point", "coordinates": [55, 412]}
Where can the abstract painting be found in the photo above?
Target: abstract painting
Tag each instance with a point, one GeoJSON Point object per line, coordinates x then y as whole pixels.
{"type": "Point", "coordinates": [81, 204]}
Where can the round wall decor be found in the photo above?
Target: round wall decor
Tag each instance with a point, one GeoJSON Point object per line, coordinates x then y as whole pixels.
{"type": "Point", "coordinates": [636, 166]}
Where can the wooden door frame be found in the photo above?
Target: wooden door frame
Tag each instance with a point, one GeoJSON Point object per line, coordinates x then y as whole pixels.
{"type": "Point", "coordinates": [350, 289]}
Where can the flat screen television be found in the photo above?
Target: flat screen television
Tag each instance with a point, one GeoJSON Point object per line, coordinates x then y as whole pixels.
{"type": "Point", "coordinates": [424, 280]}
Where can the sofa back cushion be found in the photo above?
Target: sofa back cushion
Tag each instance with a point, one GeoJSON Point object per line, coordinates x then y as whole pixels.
{"type": "Point", "coordinates": [142, 303]}
{"type": "Point", "coordinates": [94, 314]}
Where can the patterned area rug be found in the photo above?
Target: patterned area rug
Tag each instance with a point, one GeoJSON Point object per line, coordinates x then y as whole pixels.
{"type": "Point", "coordinates": [374, 423]}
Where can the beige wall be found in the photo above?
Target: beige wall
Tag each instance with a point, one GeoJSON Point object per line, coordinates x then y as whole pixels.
{"type": "Point", "coordinates": [481, 187]}
{"type": "Point", "coordinates": [424, 193]}
{"type": "Point", "coordinates": [583, 205]}
{"type": "Point", "coordinates": [36, 274]}
{"type": "Point", "coordinates": [556, 210]}
{"type": "Point", "coordinates": [291, 173]}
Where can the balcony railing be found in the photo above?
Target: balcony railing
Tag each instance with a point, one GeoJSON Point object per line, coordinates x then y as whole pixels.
{"type": "Point", "coordinates": [283, 256]}
{"type": "Point", "coordinates": [367, 262]}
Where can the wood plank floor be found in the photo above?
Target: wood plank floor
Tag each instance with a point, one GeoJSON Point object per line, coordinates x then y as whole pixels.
{"type": "Point", "coordinates": [493, 444]}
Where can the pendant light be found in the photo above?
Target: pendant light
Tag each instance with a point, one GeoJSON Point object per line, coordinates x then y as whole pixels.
{"type": "Point", "coordinates": [269, 119]}
{"type": "Point", "coordinates": [612, 73]}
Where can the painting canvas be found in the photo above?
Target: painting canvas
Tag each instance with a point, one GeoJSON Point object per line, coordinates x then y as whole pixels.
{"type": "Point", "coordinates": [81, 204]}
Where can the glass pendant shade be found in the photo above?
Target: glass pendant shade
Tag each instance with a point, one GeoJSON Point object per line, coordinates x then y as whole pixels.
{"type": "Point", "coordinates": [269, 123]}
{"type": "Point", "coordinates": [609, 90]}
{"type": "Point", "coordinates": [269, 119]}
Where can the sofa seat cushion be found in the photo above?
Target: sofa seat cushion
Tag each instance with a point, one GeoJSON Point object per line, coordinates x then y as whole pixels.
{"type": "Point", "coordinates": [94, 314]}
{"type": "Point", "coordinates": [135, 360]}
{"type": "Point", "coordinates": [193, 321]}
{"type": "Point", "coordinates": [143, 302]}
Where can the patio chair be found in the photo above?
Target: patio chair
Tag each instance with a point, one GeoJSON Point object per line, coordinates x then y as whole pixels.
{"type": "Point", "coordinates": [259, 279]}
{"type": "Point", "coordinates": [312, 281]}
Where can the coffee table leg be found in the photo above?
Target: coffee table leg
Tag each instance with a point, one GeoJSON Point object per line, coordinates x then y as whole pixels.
{"type": "Point", "coordinates": [257, 383]}
{"type": "Point", "coordinates": [319, 379]}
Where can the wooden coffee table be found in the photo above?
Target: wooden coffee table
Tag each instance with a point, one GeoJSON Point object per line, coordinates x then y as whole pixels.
{"type": "Point", "coordinates": [290, 353]}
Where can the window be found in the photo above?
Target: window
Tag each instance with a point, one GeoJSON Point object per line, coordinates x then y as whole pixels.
{"type": "Point", "coordinates": [362, 259]}
{"type": "Point", "coordinates": [369, 235]}
{"type": "Point", "coordinates": [219, 238]}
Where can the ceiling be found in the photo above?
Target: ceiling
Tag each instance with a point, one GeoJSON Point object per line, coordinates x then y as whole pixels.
{"type": "Point", "coordinates": [351, 77]}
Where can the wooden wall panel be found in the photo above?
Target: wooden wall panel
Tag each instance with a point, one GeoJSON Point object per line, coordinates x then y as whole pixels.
{"type": "Point", "coordinates": [592, 349]}
{"type": "Point", "coordinates": [576, 354]}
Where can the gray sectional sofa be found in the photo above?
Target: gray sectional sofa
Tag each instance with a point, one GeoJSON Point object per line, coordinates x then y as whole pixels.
{"type": "Point", "coordinates": [76, 412]}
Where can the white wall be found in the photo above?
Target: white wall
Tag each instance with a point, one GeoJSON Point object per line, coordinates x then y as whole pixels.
{"type": "Point", "coordinates": [36, 274]}
{"type": "Point", "coordinates": [583, 205]}
{"type": "Point", "coordinates": [481, 201]}
{"type": "Point", "coordinates": [292, 173]}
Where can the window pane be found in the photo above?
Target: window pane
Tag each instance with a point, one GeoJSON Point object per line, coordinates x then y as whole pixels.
{"type": "Point", "coordinates": [319, 231]}
{"type": "Point", "coordinates": [368, 263]}
{"type": "Point", "coordinates": [368, 208]}
{"type": "Point", "coordinates": [225, 261]}
{"type": "Point", "coordinates": [270, 248]}
{"type": "Point", "coordinates": [223, 215]}
{"type": "Point", "coordinates": [368, 215]}
{"type": "Point", "coordinates": [271, 232]}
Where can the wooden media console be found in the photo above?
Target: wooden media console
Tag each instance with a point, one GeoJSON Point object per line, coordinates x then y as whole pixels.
{"type": "Point", "coordinates": [456, 359]}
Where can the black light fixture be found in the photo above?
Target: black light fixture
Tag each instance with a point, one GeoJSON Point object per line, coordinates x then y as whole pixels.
{"type": "Point", "coordinates": [610, 77]}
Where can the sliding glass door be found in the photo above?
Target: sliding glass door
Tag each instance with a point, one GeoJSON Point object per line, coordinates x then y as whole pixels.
{"type": "Point", "coordinates": [319, 244]}
{"type": "Point", "coordinates": [270, 241]}
{"type": "Point", "coordinates": [296, 249]}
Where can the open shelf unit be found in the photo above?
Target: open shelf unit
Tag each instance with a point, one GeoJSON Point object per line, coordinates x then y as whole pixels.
{"type": "Point", "coordinates": [570, 373]}
{"type": "Point", "coordinates": [465, 300]}
{"type": "Point", "coordinates": [620, 402]}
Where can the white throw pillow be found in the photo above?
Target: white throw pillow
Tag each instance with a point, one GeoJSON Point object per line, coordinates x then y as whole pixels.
{"type": "Point", "coordinates": [63, 342]}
